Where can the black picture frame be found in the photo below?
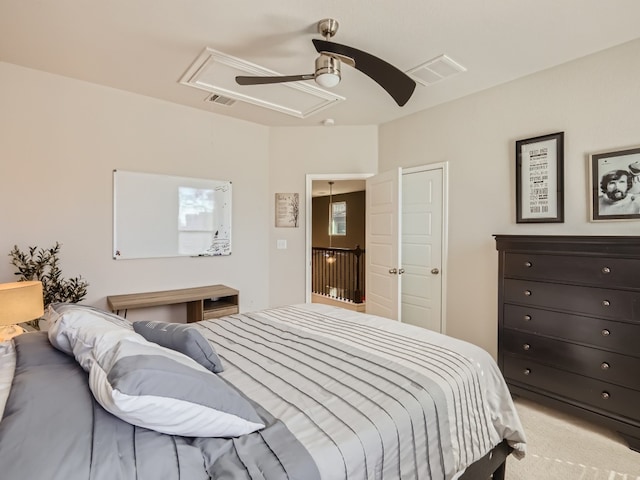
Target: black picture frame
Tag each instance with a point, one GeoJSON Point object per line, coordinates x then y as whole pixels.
{"type": "Point", "coordinates": [609, 173]}
{"type": "Point", "coordinates": [540, 179]}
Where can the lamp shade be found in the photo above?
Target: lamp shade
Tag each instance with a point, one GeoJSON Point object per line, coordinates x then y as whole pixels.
{"type": "Point", "coordinates": [20, 302]}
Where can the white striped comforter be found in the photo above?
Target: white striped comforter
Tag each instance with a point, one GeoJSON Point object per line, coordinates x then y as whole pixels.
{"type": "Point", "coordinates": [368, 397]}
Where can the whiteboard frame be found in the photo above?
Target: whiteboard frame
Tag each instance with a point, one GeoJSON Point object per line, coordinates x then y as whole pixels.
{"type": "Point", "coordinates": [149, 222]}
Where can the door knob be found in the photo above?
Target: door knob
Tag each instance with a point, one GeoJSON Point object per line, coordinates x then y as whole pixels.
{"type": "Point", "coordinates": [435, 271]}
{"type": "Point", "coordinates": [393, 270]}
{"type": "Point", "coordinates": [401, 271]}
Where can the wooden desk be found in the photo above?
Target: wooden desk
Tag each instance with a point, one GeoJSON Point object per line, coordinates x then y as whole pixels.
{"type": "Point", "coordinates": [203, 303]}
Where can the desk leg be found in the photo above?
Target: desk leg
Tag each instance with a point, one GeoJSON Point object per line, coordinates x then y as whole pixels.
{"type": "Point", "coordinates": [195, 311]}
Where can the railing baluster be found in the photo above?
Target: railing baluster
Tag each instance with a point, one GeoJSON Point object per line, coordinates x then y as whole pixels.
{"type": "Point", "coordinates": [341, 278]}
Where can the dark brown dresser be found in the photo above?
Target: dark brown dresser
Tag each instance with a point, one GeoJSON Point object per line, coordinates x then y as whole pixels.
{"type": "Point", "coordinates": [569, 325]}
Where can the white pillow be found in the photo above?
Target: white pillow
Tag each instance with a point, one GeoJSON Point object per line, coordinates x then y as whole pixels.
{"type": "Point", "coordinates": [99, 330]}
{"type": "Point", "coordinates": [146, 384]}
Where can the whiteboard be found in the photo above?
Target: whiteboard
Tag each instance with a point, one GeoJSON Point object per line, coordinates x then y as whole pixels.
{"type": "Point", "coordinates": [158, 215]}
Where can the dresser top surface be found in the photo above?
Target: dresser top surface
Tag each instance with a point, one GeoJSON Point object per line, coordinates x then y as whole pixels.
{"type": "Point", "coordinates": [607, 245]}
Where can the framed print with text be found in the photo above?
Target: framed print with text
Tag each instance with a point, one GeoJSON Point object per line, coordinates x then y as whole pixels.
{"type": "Point", "coordinates": [287, 209]}
{"type": "Point", "coordinates": [540, 179]}
{"type": "Point", "coordinates": [615, 185]}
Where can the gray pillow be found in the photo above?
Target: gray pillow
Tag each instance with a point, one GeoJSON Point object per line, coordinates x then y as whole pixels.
{"type": "Point", "coordinates": [181, 338]}
{"type": "Point", "coordinates": [149, 385]}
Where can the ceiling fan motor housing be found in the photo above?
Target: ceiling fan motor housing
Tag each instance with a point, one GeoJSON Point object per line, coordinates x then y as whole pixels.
{"type": "Point", "coordinates": [327, 27]}
{"type": "Point", "coordinates": [327, 71]}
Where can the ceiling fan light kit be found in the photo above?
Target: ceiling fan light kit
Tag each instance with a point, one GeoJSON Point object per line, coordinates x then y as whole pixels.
{"type": "Point", "coordinates": [327, 72]}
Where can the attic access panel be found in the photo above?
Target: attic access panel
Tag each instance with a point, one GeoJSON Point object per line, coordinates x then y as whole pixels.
{"type": "Point", "coordinates": [215, 72]}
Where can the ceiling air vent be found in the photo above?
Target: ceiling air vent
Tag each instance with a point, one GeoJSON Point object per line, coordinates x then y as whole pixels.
{"type": "Point", "coordinates": [220, 100]}
{"type": "Point", "coordinates": [435, 70]}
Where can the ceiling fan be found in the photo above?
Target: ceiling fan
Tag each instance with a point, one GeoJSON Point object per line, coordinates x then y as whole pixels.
{"type": "Point", "coordinates": [327, 72]}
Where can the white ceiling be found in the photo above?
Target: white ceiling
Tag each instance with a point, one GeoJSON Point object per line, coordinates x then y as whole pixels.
{"type": "Point", "coordinates": [320, 188]}
{"type": "Point", "coordinates": [145, 46]}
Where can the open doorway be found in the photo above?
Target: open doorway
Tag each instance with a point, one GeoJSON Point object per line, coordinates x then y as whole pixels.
{"type": "Point", "coordinates": [418, 274]}
{"type": "Point", "coordinates": [335, 224]}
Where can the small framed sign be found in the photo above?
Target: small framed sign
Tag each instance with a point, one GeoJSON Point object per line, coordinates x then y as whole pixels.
{"type": "Point", "coordinates": [540, 179]}
{"type": "Point", "coordinates": [287, 209]}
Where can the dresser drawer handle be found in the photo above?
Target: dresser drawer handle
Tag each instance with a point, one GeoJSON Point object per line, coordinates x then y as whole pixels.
{"type": "Point", "coordinates": [526, 346]}
{"type": "Point", "coordinates": [527, 371]}
{"type": "Point", "coordinates": [605, 332]}
{"type": "Point", "coordinates": [606, 303]}
{"type": "Point", "coordinates": [605, 395]}
{"type": "Point", "coordinates": [528, 264]}
{"type": "Point", "coordinates": [606, 270]}
{"type": "Point", "coordinates": [605, 366]}
{"type": "Point", "coordinates": [527, 318]}
{"type": "Point", "coordinates": [527, 293]}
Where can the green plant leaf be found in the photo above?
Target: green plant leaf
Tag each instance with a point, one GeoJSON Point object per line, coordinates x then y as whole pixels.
{"type": "Point", "coordinates": [44, 265]}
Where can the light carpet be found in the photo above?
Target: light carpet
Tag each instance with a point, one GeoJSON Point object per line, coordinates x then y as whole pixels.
{"type": "Point", "coordinates": [564, 447]}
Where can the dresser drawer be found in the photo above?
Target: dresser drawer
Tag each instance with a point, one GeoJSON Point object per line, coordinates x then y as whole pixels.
{"type": "Point", "coordinates": [598, 271]}
{"type": "Point", "coordinates": [600, 302]}
{"type": "Point", "coordinates": [576, 388]}
{"type": "Point", "coordinates": [606, 366]}
{"type": "Point", "coordinates": [615, 336]}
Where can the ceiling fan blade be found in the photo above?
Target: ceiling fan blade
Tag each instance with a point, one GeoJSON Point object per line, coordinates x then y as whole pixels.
{"type": "Point", "coordinates": [397, 83]}
{"type": "Point", "coordinates": [264, 80]}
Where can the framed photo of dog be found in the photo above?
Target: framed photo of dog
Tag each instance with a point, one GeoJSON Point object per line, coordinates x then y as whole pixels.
{"type": "Point", "coordinates": [615, 185]}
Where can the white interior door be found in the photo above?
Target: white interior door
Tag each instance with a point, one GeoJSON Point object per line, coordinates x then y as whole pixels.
{"type": "Point", "coordinates": [421, 247]}
{"type": "Point", "coordinates": [383, 245]}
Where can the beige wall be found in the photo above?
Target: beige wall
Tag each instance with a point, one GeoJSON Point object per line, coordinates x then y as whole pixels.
{"type": "Point", "coordinates": [295, 152]}
{"type": "Point", "coordinates": [60, 139]}
{"type": "Point", "coordinates": [595, 101]}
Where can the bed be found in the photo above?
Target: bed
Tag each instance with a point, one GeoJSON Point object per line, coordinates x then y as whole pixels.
{"type": "Point", "coordinates": [307, 392]}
